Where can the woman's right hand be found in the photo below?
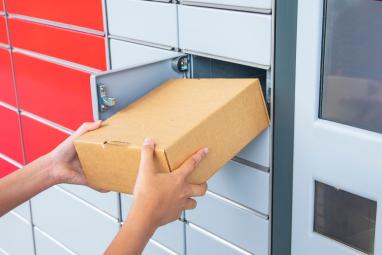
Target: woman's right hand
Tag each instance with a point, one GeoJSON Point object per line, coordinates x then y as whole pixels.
{"type": "Point", "coordinates": [159, 198]}
{"type": "Point", "coordinates": [162, 197]}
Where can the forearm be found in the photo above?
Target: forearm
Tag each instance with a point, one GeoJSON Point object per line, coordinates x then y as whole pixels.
{"type": "Point", "coordinates": [134, 234]}
{"type": "Point", "coordinates": [25, 183]}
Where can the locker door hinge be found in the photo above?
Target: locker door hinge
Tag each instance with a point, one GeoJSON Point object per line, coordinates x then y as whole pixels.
{"type": "Point", "coordinates": [269, 86]}
{"type": "Point", "coordinates": [104, 101]}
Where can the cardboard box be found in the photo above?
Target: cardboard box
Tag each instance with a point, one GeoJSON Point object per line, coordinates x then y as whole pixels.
{"type": "Point", "coordinates": [182, 116]}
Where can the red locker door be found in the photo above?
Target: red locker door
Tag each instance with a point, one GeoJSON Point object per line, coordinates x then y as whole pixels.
{"type": "Point", "coordinates": [3, 30]}
{"type": "Point", "coordinates": [39, 138]}
{"type": "Point", "coordinates": [54, 92]}
{"type": "Point", "coordinates": [84, 13]}
{"type": "Point", "coordinates": [6, 168]}
{"type": "Point", "coordinates": [1, 6]}
{"type": "Point", "coordinates": [10, 135]}
{"type": "Point", "coordinates": [82, 48]}
{"type": "Point", "coordinates": [7, 90]}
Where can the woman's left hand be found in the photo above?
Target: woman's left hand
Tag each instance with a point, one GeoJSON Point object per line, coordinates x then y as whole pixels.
{"type": "Point", "coordinates": [65, 166]}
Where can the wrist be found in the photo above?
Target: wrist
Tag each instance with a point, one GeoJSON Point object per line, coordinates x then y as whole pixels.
{"type": "Point", "coordinates": [47, 162]}
{"type": "Point", "coordinates": [142, 213]}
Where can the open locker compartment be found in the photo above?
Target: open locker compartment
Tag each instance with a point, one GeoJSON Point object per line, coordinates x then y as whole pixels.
{"type": "Point", "coordinates": [258, 153]}
{"type": "Point", "coordinates": [114, 90]}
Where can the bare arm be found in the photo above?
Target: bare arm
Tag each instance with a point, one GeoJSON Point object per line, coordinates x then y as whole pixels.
{"type": "Point", "coordinates": [158, 199]}
{"type": "Point", "coordinates": [59, 166]}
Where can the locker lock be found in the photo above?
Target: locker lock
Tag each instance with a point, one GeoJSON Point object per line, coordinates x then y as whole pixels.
{"type": "Point", "coordinates": [180, 64]}
{"type": "Point", "coordinates": [105, 102]}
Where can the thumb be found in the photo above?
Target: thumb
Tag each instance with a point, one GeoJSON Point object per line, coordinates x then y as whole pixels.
{"type": "Point", "coordinates": [147, 153]}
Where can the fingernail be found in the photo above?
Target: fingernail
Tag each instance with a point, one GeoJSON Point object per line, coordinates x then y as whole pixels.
{"type": "Point", "coordinates": [148, 141]}
{"type": "Point", "coordinates": [205, 150]}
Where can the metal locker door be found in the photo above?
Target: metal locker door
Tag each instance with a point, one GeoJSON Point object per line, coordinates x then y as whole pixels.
{"type": "Point", "coordinates": [114, 90]}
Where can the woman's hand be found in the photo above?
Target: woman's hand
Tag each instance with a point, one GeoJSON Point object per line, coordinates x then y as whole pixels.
{"type": "Point", "coordinates": [59, 166]}
{"type": "Point", "coordinates": [163, 196]}
{"type": "Point", "coordinates": [65, 166]}
{"type": "Point", "coordinates": [159, 198]}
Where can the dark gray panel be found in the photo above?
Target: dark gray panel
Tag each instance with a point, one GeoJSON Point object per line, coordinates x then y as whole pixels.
{"type": "Point", "coordinates": [345, 217]}
{"type": "Point", "coordinates": [211, 68]}
{"type": "Point", "coordinates": [283, 124]}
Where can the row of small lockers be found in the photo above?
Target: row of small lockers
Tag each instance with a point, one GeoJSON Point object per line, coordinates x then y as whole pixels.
{"type": "Point", "coordinates": [52, 63]}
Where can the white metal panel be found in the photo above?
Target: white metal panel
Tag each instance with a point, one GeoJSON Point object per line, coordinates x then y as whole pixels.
{"type": "Point", "coordinates": [24, 211]}
{"type": "Point", "coordinates": [242, 184]}
{"type": "Point", "coordinates": [254, 5]}
{"type": "Point", "coordinates": [46, 244]}
{"type": "Point", "coordinates": [258, 151]}
{"type": "Point", "coordinates": [342, 156]}
{"type": "Point", "coordinates": [147, 21]}
{"type": "Point", "coordinates": [154, 248]}
{"type": "Point", "coordinates": [16, 235]}
{"type": "Point", "coordinates": [126, 202]}
{"type": "Point", "coordinates": [238, 36]}
{"type": "Point", "coordinates": [107, 202]}
{"type": "Point", "coordinates": [131, 54]}
{"type": "Point", "coordinates": [200, 241]}
{"type": "Point", "coordinates": [237, 225]}
{"type": "Point", "coordinates": [170, 235]}
{"type": "Point", "coordinates": [74, 223]}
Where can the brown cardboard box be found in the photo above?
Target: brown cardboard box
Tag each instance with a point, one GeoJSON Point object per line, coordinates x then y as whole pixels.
{"type": "Point", "coordinates": [182, 116]}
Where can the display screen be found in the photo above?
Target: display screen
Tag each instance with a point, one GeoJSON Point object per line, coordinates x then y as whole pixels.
{"type": "Point", "coordinates": [345, 217]}
{"type": "Point", "coordinates": [351, 82]}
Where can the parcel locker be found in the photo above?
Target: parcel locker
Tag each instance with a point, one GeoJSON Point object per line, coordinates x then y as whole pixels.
{"type": "Point", "coordinates": [262, 6]}
{"type": "Point", "coordinates": [81, 219]}
{"type": "Point", "coordinates": [32, 130]}
{"type": "Point", "coordinates": [149, 42]}
{"type": "Point", "coordinates": [240, 226]}
{"type": "Point", "coordinates": [6, 167]}
{"type": "Point", "coordinates": [155, 248]}
{"type": "Point", "coordinates": [107, 202]}
{"type": "Point", "coordinates": [148, 22]}
{"type": "Point", "coordinates": [7, 87]}
{"type": "Point", "coordinates": [46, 244]}
{"type": "Point", "coordinates": [85, 14]}
{"type": "Point", "coordinates": [15, 235]}
{"type": "Point", "coordinates": [74, 46]}
{"type": "Point", "coordinates": [200, 241]}
{"type": "Point", "coordinates": [123, 53]}
{"type": "Point", "coordinates": [10, 137]}
{"type": "Point", "coordinates": [254, 191]}
{"type": "Point", "coordinates": [242, 37]}
{"type": "Point", "coordinates": [170, 236]}
{"type": "Point", "coordinates": [3, 30]}
{"type": "Point", "coordinates": [55, 92]}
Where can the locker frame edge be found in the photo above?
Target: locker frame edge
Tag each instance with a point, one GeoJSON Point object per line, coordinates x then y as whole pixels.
{"type": "Point", "coordinates": [285, 31]}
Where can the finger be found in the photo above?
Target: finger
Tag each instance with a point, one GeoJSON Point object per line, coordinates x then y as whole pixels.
{"type": "Point", "coordinates": [191, 163]}
{"type": "Point", "coordinates": [87, 126]}
{"type": "Point", "coordinates": [147, 153]}
{"type": "Point", "coordinates": [190, 204]}
{"type": "Point", "coordinates": [103, 190]}
{"type": "Point", "coordinates": [197, 190]}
